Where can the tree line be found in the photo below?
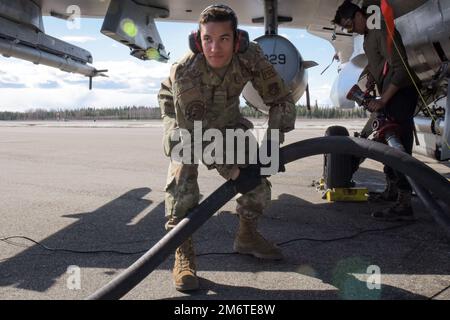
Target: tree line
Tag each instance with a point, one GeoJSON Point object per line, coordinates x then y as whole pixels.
{"type": "Point", "coordinates": [148, 113]}
{"type": "Point", "coordinates": [122, 113]}
{"type": "Point", "coordinates": [316, 112]}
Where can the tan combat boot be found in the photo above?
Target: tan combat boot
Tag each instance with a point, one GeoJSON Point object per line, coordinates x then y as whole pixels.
{"type": "Point", "coordinates": [249, 241]}
{"type": "Point", "coordinates": [184, 270]}
{"type": "Point", "coordinates": [401, 211]}
{"type": "Point", "coordinates": [390, 192]}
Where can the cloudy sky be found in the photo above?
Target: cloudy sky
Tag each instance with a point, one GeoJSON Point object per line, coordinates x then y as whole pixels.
{"type": "Point", "coordinates": [25, 86]}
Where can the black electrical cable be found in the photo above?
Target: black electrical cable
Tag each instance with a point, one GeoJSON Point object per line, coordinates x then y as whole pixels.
{"type": "Point", "coordinates": [347, 237]}
{"type": "Point", "coordinates": [6, 240]}
{"type": "Point", "coordinates": [398, 226]}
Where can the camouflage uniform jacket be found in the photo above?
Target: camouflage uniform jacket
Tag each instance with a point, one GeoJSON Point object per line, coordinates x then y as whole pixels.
{"type": "Point", "coordinates": [193, 92]}
{"type": "Point", "coordinates": [375, 47]}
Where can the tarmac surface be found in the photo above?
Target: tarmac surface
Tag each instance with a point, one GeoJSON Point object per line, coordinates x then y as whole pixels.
{"type": "Point", "coordinates": [99, 186]}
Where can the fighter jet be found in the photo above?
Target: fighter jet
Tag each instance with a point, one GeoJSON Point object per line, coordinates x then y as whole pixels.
{"type": "Point", "coordinates": [423, 24]}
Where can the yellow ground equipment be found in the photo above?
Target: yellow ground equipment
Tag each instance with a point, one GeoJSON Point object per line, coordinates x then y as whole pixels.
{"type": "Point", "coordinates": [347, 194]}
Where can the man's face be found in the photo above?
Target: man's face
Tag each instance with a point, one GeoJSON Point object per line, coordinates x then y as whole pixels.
{"type": "Point", "coordinates": [218, 43]}
{"type": "Point", "coordinates": [357, 24]}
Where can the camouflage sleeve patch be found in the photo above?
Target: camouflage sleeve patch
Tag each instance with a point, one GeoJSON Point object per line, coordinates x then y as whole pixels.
{"type": "Point", "coordinates": [195, 111]}
{"type": "Point", "coordinates": [269, 73]}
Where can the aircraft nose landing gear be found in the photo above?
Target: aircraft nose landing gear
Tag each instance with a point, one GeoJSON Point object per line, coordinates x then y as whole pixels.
{"type": "Point", "coordinates": [338, 169]}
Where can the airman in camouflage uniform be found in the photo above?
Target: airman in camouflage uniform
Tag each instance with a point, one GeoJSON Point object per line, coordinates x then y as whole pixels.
{"type": "Point", "coordinates": [206, 88]}
{"type": "Point", "coordinates": [398, 85]}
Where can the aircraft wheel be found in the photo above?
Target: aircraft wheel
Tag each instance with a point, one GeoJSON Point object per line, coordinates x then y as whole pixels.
{"type": "Point", "coordinates": [337, 168]}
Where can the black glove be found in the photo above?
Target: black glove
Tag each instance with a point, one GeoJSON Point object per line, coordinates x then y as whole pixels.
{"type": "Point", "coordinates": [249, 178]}
{"type": "Point", "coordinates": [281, 167]}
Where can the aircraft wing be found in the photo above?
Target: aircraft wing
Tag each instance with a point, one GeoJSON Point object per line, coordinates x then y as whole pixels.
{"type": "Point", "coordinates": [313, 15]}
{"type": "Point", "coordinates": [303, 12]}
{"type": "Point", "coordinates": [141, 34]}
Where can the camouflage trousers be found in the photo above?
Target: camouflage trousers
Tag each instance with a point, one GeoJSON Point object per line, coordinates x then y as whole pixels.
{"type": "Point", "coordinates": [183, 194]}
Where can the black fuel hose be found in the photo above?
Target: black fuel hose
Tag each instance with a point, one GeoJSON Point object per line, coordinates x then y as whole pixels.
{"type": "Point", "coordinates": [438, 213]}
{"type": "Point", "coordinates": [418, 173]}
{"type": "Point", "coordinates": [128, 279]}
{"type": "Point", "coordinates": [400, 161]}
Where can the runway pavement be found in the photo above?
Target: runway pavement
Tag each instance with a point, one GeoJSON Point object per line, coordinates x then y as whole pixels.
{"type": "Point", "coordinates": [99, 186]}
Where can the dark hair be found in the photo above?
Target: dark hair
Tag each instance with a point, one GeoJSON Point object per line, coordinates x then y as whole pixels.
{"type": "Point", "coordinates": [219, 13]}
{"type": "Point", "coordinates": [345, 11]}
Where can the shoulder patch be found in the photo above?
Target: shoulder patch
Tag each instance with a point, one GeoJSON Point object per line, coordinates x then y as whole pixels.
{"type": "Point", "coordinates": [195, 111]}
{"type": "Point", "coordinates": [268, 73]}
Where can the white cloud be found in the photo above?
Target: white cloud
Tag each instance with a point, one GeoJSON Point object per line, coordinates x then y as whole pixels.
{"type": "Point", "coordinates": [26, 86]}
{"type": "Point", "coordinates": [25, 73]}
{"type": "Point", "coordinates": [78, 39]}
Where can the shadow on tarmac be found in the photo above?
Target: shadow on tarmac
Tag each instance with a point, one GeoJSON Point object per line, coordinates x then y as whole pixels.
{"type": "Point", "coordinates": [420, 248]}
